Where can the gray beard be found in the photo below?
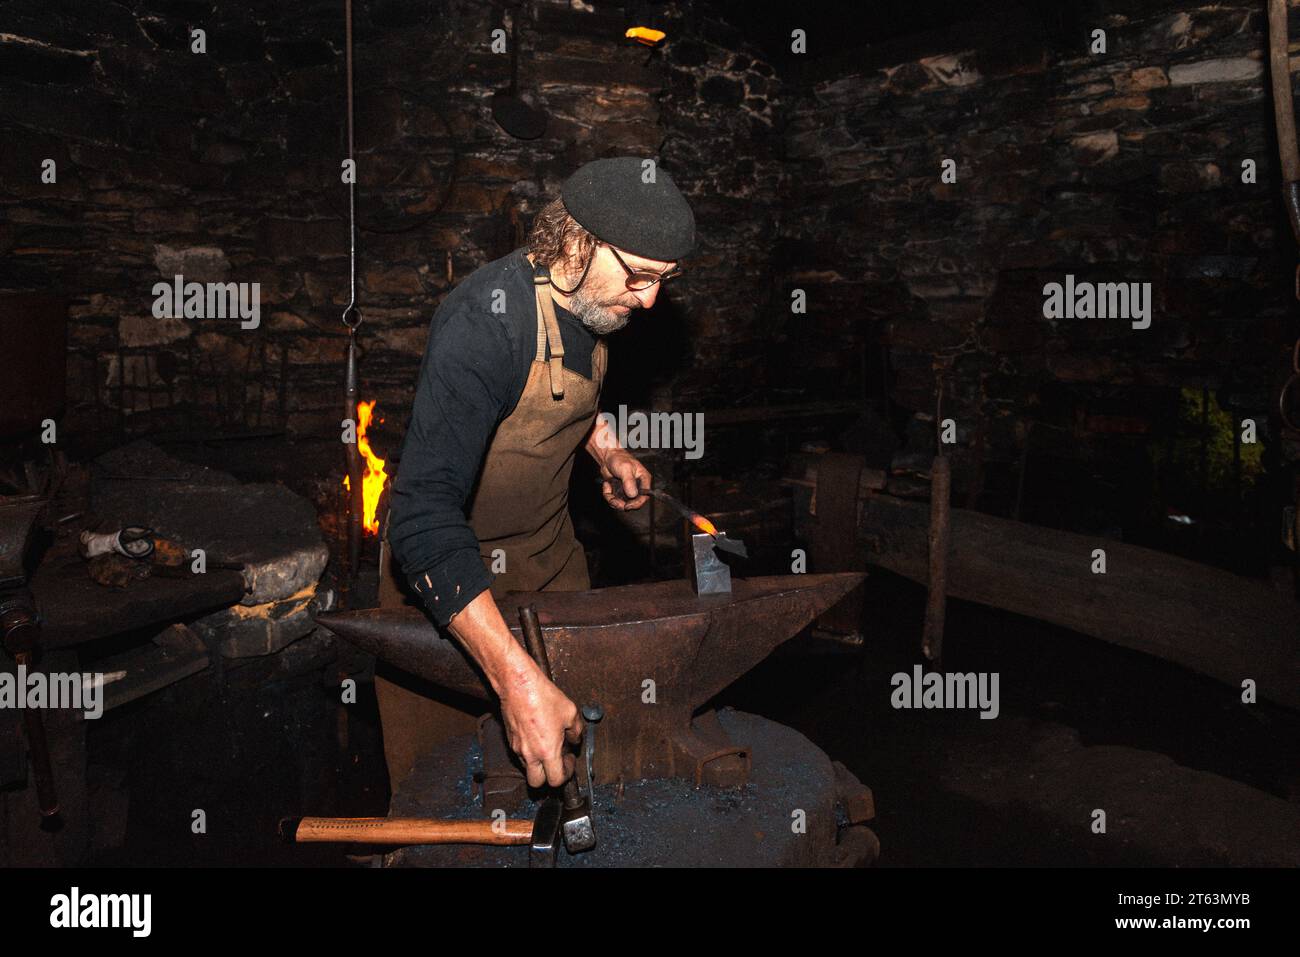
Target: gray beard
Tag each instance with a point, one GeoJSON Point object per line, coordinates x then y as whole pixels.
{"type": "Point", "coordinates": [600, 319]}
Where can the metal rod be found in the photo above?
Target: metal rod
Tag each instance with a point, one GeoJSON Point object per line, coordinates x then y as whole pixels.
{"type": "Point", "coordinates": [356, 499]}
{"type": "Point", "coordinates": [1284, 110]}
{"type": "Point", "coordinates": [533, 640]}
{"type": "Point", "coordinates": [352, 319]}
{"type": "Point", "coordinates": [39, 749]}
{"type": "Point", "coordinates": [352, 184]}
{"type": "Point", "coordinates": [940, 526]}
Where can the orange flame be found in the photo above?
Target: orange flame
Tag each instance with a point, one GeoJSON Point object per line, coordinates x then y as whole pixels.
{"type": "Point", "coordinates": [375, 475]}
{"type": "Point", "coordinates": [704, 525]}
{"type": "Point", "coordinates": [648, 36]}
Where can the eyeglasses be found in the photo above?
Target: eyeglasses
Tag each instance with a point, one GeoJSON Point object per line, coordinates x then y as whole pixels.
{"type": "Point", "coordinates": [641, 279]}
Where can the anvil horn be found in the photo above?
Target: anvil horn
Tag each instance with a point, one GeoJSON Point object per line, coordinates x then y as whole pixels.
{"type": "Point", "coordinates": [617, 645]}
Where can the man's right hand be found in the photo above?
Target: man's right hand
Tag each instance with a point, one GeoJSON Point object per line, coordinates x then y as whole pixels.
{"type": "Point", "coordinates": [539, 719]}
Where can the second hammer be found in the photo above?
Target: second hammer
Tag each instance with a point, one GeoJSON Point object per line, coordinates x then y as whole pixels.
{"type": "Point", "coordinates": [577, 825]}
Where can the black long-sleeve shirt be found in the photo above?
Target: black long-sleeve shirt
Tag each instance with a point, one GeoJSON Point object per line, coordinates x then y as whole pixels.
{"type": "Point", "coordinates": [475, 366]}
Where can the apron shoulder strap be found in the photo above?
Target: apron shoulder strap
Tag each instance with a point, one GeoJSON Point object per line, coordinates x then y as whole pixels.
{"type": "Point", "coordinates": [548, 331]}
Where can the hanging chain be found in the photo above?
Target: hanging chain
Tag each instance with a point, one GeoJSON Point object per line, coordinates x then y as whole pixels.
{"type": "Point", "coordinates": [351, 314]}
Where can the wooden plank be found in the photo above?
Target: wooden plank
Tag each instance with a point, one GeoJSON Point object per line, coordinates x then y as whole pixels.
{"type": "Point", "coordinates": [1203, 618]}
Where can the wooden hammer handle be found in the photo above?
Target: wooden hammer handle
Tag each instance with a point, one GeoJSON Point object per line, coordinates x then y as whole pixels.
{"type": "Point", "coordinates": [406, 830]}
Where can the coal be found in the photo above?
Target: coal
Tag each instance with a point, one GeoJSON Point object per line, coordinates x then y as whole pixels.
{"type": "Point", "coordinates": [655, 823]}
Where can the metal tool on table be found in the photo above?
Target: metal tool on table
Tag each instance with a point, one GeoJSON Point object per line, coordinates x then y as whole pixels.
{"type": "Point", "coordinates": [576, 823]}
{"type": "Point", "coordinates": [133, 541]}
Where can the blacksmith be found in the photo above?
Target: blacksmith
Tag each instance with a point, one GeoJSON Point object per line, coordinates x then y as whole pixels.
{"type": "Point", "coordinates": [508, 393]}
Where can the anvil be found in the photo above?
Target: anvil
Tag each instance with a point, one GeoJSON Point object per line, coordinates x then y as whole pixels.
{"type": "Point", "coordinates": [652, 655]}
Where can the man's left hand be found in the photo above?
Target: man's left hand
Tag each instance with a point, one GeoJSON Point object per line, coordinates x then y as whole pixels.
{"type": "Point", "coordinates": [621, 467]}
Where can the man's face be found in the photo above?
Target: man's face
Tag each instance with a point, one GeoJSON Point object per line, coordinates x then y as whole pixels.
{"type": "Point", "coordinates": [604, 304]}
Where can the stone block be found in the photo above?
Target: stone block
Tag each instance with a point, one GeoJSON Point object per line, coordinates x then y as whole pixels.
{"type": "Point", "coordinates": [195, 263]}
{"type": "Point", "coordinates": [1223, 70]}
{"type": "Point", "coordinates": [138, 331]}
{"type": "Point", "coordinates": [1096, 147]}
{"type": "Point", "coordinates": [1141, 79]}
{"type": "Point", "coordinates": [289, 239]}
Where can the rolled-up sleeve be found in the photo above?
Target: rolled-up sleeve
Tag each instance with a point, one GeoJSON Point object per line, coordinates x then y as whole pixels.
{"type": "Point", "coordinates": [464, 389]}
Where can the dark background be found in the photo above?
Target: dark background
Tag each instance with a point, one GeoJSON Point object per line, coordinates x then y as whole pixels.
{"type": "Point", "coordinates": [816, 172]}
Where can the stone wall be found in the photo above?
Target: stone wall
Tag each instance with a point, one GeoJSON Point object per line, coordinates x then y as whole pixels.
{"type": "Point", "coordinates": [1123, 166]}
{"type": "Point", "coordinates": [820, 174]}
{"type": "Point", "coordinates": [225, 166]}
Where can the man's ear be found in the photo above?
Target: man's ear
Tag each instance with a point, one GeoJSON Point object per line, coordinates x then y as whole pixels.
{"type": "Point", "coordinates": [576, 262]}
{"type": "Point", "coordinates": [575, 257]}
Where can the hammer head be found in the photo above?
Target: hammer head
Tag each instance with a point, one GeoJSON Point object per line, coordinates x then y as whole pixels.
{"type": "Point", "coordinates": [545, 843]}
{"type": "Point", "coordinates": [577, 827]}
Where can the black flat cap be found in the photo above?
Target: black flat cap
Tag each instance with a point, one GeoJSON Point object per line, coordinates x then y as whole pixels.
{"type": "Point", "coordinates": [611, 199]}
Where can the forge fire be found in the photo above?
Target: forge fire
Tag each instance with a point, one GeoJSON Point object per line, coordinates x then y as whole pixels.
{"type": "Point", "coordinates": [574, 435]}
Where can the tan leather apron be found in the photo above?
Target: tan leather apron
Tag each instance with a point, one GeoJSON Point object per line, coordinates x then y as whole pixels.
{"type": "Point", "coordinates": [520, 513]}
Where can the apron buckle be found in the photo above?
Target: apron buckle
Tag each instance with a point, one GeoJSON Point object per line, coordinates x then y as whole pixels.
{"type": "Point", "coordinates": [556, 366]}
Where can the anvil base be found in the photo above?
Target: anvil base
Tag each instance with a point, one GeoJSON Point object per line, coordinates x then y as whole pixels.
{"type": "Point", "coordinates": [666, 822]}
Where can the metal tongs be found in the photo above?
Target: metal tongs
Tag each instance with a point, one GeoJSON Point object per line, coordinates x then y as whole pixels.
{"type": "Point", "coordinates": [720, 540]}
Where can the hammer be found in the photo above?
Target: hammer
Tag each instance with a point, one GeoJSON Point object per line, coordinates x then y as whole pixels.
{"type": "Point", "coordinates": [404, 830]}
{"type": "Point", "coordinates": [576, 824]}
{"type": "Point", "coordinates": [542, 834]}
